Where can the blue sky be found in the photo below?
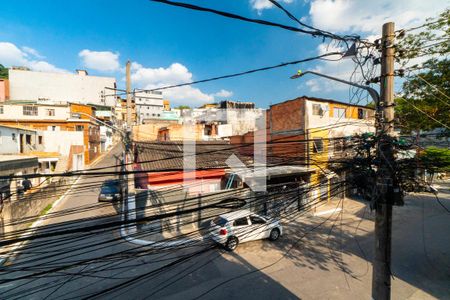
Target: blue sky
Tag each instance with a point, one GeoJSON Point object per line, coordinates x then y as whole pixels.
{"type": "Point", "coordinates": [173, 45]}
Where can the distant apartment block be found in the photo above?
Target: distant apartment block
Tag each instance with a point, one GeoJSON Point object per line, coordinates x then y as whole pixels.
{"type": "Point", "coordinates": [149, 105]}
{"type": "Point", "coordinates": [61, 87]}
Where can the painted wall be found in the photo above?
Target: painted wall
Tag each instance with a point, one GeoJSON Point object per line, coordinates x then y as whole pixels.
{"type": "Point", "coordinates": [54, 141]}
{"type": "Point", "coordinates": [16, 112]}
{"type": "Point", "coordinates": [4, 90]}
{"type": "Point", "coordinates": [10, 140]}
{"type": "Point", "coordinates": [30, 85]}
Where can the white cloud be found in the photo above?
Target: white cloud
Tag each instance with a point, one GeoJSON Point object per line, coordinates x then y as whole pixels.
{"type": "Point", "coordinates": [104, 61]}
{"type": "Point", "coordinates": [367, 17]}
{"type": "Point", "coordinates": [223, 93]}
{"type": "Point", "coordinates": [176, 73]}
{"type": "Point", "coordinates": [11, 55]}
{"type": "Point", "coordinates": [260, 5]}
{"type": "Point", "coordinates": [32, 52]}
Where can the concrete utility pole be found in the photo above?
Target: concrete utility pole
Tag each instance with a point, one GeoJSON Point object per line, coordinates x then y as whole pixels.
{"type": "Point", "coordinates": [128, 77]}
{"type": "Point", "coordinates": [386, 186]}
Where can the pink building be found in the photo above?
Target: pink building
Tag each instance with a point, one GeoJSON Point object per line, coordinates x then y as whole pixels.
{"type": "Point", "coordinates": [4, 90]}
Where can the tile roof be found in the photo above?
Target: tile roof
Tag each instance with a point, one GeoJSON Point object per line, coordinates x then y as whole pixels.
{"type": "Point", "coordinates": [167, 156]}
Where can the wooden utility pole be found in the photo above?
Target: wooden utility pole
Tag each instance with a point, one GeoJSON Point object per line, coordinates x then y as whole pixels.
{"type": "Point", "coordinates": [387, 188]}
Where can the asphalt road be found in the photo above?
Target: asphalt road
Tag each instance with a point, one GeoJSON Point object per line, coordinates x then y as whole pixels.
{"type": "Point", "coordinates": [325, 257]}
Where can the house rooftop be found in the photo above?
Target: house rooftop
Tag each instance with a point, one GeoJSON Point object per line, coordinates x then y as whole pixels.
{"type": "Point", "coordinates": [322, 100]}
{"type": "Point", "coordinates": [22, 127]}
{"type": "Point", "coordinates": [169, 155]}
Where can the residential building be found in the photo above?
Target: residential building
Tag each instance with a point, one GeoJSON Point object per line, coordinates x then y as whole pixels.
{"type": "Point", "coordinates": [311, 132]}
{"type": "Point", "coordinates": [15, 139]}
{"type": "Point", "coordinates": [163, 163]}
{"type": "Point", "coordinates": [46, 115]}
{"type": "Point", "coordinates": [166, 104]}
{"type": "Point", "coordinates": [15, 165]}
{"type": "Point", "coordinates": [61, 87]}
{"type": "Point", "coordinates": [149, 105]}
{"type": "Point", "coordinates": [4, 89]}
{"type": "Point", "coordinates": [211, 123]}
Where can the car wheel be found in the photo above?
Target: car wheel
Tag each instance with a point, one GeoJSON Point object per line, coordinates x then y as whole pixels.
{"type": "Point", "coordinates": [274, 234]}
{"type": "Point", "coordinates": [232, 243]}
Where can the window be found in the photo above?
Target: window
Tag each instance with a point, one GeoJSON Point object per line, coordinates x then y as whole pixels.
{"type": "Point", "coordinates": [153, 115]}
{"type": "Point", "coordinates": [50, 112]}
{"type": "Point", "coordinates": [317, 110]}
{"type": "Point", "coordinates": [159, 115]}
{"type": "Point", "coordinates": [1, 109]}
{"type": "Point", "coordinates": [79, 128]}
{"type": "Point", "coordinates": [30, 110]}
{"type": "Point", "coordinates": [13, 136]}
{"type": "Point", "coordinates": [362, 113]}
{"type": "Point", "coordinates": [40, 139]}
{"type": "Point", "coordinates": [338, 112]}
{"type": "Point", "coordinates": [240, 222]}
{"type": "Point", "coordinates": [338, 146]}
{"type": "Point", "coordinates": [318, 146]}
{"type": "Point", "coordinates": [28, 139]}
{"type": "Point", "coordinates": [257, 220]}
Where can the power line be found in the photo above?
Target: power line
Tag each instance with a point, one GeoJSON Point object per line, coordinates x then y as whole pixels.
{"type": "Point", "coordinates": [237, 74]}
{"type": "Point", "coordinates": [314, 33]}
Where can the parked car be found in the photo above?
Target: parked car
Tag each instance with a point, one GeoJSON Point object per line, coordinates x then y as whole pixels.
{"type": "Point", "coordinates": [110, 191]}
{"type": "Point", "coordinates": [241, 226]}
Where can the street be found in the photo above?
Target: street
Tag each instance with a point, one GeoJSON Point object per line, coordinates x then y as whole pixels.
{"type": "Point", "coordinates": [327, 256]}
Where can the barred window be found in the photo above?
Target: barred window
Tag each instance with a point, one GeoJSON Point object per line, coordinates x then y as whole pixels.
{"type": "Point", "coordinates": [362, 113]}
{"type": "Point", "coordinates": [317, 110]}
{"type": "Point", "coordinates": [339, 112]}
{"type": "Point", "coordinates": [50, 112]}
{"type": "Point", "coordinates": [318, 146]}
{"type": "Point", "coordinates": [30, 111]}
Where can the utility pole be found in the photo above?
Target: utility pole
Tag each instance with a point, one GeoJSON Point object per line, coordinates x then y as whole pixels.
{"type": "Point", "coordinates": [128, 78]}
{"type": "Point", "coordinates": [387, 188]}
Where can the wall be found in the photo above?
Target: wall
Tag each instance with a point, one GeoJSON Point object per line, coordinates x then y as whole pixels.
{"type": "Point", "coordinates": [10, 146]}
{"type": "Point", "coordinates": [30, 205]}
{"type": "Point", "coordinates": [4, 90]}
{"type": "Point", "coordinates": [30, 85]}
{"type": "Point", "coordinates": [54, 141]}
{"type": "Point", "coordinates": [15, 111]}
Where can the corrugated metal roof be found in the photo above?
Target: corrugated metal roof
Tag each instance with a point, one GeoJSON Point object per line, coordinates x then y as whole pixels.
{"type": "Point", "coordinates": [161, 156]}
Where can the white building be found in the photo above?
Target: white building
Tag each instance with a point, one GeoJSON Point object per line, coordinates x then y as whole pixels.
{"type": "Point", "coordinates": [18, 140]}
{"type": "Point", "coordinates": [149, 105]}
{"type": "Point", "coordinates": [61, 87]}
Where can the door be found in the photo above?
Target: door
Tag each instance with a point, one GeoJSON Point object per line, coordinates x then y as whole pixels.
{"type": "Point", "coordinates": [259, 228]}
{"type": "Point", "coordinates": [242, 229]}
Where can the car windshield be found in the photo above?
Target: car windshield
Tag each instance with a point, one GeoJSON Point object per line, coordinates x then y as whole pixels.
{"type": "Point", "coordinates": [109, 189]}
{"type": "Point", "coordinates": [219, 221]}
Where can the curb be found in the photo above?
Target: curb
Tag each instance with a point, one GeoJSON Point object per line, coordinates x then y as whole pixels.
{"type": "Point", "coordinates": [155, 244]}
{"type": "Point", "coordinates": [37, 223]}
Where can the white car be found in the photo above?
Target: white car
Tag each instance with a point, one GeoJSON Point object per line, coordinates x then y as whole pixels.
{"type": "Point", "coordinates": [242, 226]}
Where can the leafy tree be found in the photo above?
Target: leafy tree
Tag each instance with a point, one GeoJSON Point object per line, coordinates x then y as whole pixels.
{"type": "Point", "coordinates": [183, 107]}
{"type": "Point", "coordinates": [3, 72]}
{"type": "Point", "coordinates": [424, 104]}
{"type": "Point", "coordinates": [436, 160]}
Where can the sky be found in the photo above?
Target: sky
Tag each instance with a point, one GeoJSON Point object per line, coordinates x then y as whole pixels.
{"type": "Point", "coordinates": [170, 45]}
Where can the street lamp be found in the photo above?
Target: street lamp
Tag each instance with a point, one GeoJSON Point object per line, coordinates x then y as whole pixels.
{"type": "Point", "coordinates": [372, 92]}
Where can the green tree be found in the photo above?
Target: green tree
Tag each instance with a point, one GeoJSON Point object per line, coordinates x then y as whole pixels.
{"type": "Point", "coordinates": [436, 160]}
{"type": "Point", "coordinates": [183, 107]}
{"type": "Point", "coordinates": [424, 103]}
{"type": "Point", "coordinates": [3, 72]}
